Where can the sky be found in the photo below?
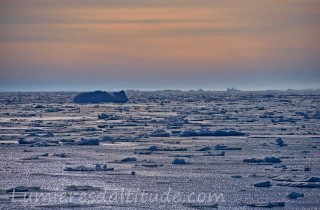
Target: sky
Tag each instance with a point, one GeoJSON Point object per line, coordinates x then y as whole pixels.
{"type": "Point", "coordinates": [151, 44]}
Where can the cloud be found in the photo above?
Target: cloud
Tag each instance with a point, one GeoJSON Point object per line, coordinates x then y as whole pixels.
{"type": "Point", "coordinates": [138, 37]}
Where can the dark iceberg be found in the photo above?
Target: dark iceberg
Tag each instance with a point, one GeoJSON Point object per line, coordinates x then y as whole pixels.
{"type": "Point", "coordinates": [100, 97]}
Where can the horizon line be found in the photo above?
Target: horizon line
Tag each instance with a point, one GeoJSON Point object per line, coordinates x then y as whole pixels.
{"type": "Point", "coordinates": [158, 90]}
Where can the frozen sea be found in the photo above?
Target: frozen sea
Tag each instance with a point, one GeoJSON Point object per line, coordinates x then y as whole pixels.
{"type": "Point", "coordinates": [43, 165]}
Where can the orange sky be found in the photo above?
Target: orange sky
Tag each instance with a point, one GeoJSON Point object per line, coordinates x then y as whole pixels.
{"type": "Point", "coordinates": [138, 43]}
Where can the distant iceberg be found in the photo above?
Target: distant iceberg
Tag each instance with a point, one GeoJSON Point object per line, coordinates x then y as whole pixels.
{"type": "Point", "coordinates": [233, 90]}
{"type": "Point", "coordinates": [100, 97]}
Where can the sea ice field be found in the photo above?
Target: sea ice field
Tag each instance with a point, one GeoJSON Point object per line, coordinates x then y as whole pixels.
{"type": "Point", "coordinates": [161, 150]}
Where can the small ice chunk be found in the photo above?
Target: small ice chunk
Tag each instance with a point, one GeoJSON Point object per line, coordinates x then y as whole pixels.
{"type": "Point", "coordinates": [263, 184]}
{"type": "Point", "coordinates": [89, 142]}
{"type": "Point", "coordinates": [267, 205]}
{"type": "Point", "coordinates": [129, 159]}
{"type": "Point", "coordinates": [180, 161]}
{"type": "Point", "coordinates": [280, 142]}
{"type": "Point", "coordinates": [295, 195]}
